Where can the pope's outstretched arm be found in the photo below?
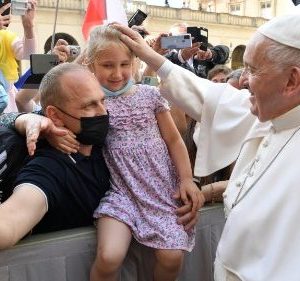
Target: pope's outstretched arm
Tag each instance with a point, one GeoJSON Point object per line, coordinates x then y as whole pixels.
{"type": "Point", "coordinates": [223, 111]}
{"type": "Point", "coordinates": [178, 85]}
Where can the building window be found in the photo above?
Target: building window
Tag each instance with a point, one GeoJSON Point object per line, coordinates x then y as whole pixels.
{"type": "Point", "coordinates": [235, 9]}
{"type": "Point", "coordinates": [266, 9]}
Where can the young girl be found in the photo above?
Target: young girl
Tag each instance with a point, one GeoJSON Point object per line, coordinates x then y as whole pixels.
{"type": "Point", "coordinates": [148, 163]}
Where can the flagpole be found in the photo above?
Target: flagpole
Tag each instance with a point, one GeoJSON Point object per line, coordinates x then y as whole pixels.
{"type": "Point", "coordinates": [54, 26]}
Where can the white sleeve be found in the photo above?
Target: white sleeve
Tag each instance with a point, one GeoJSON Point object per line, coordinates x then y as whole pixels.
{"type": "Point", "coordinates": [223, 111]}
{"type": "Point", "coordinates": [26, 185]}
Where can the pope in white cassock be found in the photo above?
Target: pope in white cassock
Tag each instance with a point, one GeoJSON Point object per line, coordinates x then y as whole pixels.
{"type": "Point", "coordinates": [260, 127]}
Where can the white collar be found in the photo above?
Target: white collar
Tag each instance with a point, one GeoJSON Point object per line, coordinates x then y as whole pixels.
{"type": "Point", "coordinates": [288, 120]}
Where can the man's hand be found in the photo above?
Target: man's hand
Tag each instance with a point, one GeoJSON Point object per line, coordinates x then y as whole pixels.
{"type": "Point", "coordinates": [155, 44]}
{"type": "Point", "coordinates": [4, 20]}
{"type": "Point", "coordinates": [34, 126]}
{"type": "Point", "coordinates": [186, 217]}
{"type": "Point", "coordinates": [62, 50]}
{"type": "Point", "coordinates": [204, 55]}
{"type": "Point", "coordinates": [140, 29]}
{"type": "Point", "coordinates": [139, 46]}
{"type": "Point", "coordinates": [193, 200]}
{"type": "Point", "coordinates": [28, 18]}
{"type": "Point", "coordinates": [66, 144]}
{"type": "Point", "coordinates": [188, 53]}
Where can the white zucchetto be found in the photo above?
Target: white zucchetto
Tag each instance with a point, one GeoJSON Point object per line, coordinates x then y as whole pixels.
{"type": "Point", "coordinates": [284, 29]}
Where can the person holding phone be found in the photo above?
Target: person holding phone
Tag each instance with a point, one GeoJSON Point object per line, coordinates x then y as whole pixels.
{"type": "Point", "coordinates": [14, 48]}
{"type": "Point", "coordinates": [195, 59]}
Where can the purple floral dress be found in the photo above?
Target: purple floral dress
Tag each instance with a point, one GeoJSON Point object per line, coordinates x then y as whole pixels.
{"type": "Point", "coordinates": [142, 174]}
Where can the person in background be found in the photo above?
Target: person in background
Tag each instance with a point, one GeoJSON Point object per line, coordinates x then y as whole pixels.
{"type": "Point", "coordinates": [3, 92]}
{"type": "Point", "coordinates": [218, 73]}
{"type": "Point", "coordinates": [27, 100]}
{"type": "Point", "coordinates": [13, 48]}
{"type": "Point", "coordinates": [233, 78]}
{"type": "Point", "coordinates": [195, 59]}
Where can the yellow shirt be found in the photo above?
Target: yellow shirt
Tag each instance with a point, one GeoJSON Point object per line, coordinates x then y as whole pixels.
{"type": "Point", "coordinates": [8, 63]}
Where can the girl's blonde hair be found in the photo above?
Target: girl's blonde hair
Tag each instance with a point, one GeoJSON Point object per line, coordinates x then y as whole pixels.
{"type": "Point", "coordinates": [101, 37]}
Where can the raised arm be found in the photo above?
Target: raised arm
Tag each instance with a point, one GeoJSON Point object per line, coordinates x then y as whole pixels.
{"type": "Point", "coordinates": [32, 125]}
{"type": "Point", "coordinates": [178, 85]}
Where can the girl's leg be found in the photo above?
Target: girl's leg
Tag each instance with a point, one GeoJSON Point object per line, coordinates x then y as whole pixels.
{"type": "Point", "coordinates": [167, 265]}
{"type": "Point", "coordinates": [113, 238]}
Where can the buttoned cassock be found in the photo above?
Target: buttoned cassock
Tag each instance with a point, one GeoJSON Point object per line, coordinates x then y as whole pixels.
{"type": "Point", "coordinates": [261, 237]}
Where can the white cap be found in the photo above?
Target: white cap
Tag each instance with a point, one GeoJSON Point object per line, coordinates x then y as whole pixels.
{"type": "Point", "coordinates": [284, 29]}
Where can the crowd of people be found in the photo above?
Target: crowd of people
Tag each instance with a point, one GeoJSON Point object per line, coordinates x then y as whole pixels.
{"type": "Point", "coordinates": [141, 160]}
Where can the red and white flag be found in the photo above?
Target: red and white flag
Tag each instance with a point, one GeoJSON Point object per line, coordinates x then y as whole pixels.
{"type": "Point", "coordinates": [102, 12]}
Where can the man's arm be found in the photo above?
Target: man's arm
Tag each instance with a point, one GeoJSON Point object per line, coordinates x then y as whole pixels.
{"type": "Point", "coordinates": [20, 213]}
{"type": "Point", "coordinates": [8, 119]}
{"type": "Point", "coordinates": [32, 126]}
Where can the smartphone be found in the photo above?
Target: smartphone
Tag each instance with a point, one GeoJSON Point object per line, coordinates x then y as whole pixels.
{"type": "Point", "coordinates": [3, 3]}
{"type": "Point", "coordinates": [137, 18]}
{"type": "Point", "coordinates": [199, 34]}
{"type": "Point", "coordinates": [41, 64]}
{"type": "Point", "coordinates": [176, 42]}
{"type": "Point", "coordinates": [195, 33]}
{"type": "Point", "coordinates": [19, 7]}
{"type": "Point", "coordinates": [203, 38]}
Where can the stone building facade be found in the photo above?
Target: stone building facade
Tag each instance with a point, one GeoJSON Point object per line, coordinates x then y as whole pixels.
{"type": "Point", "coordinates": [230, 22]}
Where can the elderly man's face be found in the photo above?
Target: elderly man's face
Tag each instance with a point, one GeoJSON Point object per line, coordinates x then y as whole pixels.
{"type": "Point", "coordinates": [266, 84]}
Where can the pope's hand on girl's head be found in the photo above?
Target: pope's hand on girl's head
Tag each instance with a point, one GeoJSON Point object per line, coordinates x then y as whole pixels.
{"type": "Point", "coordinates": [140, 48]}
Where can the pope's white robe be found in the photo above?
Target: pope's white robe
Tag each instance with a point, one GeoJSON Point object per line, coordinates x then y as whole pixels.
{"type": "Point", "coordinates": [261, 237]}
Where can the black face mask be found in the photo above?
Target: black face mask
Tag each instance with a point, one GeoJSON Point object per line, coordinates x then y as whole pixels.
{"type": "Point", "coordinates": [93, 129]}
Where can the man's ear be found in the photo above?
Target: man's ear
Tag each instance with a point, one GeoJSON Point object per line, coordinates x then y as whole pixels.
{"type": "Point", "coordinates": [293, 85]}
{"type": "Point", "coordinates": [55, 115]}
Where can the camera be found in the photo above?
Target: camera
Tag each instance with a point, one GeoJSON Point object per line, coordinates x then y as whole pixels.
{"type": "Point", "coordinates": [176, 42]}
{"type": "Point", "coordinates": [41, 64]}
{"type": "Point", "coordinates": [199, 34]}
{"type": "Point", "coordinates": [74, 51]}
